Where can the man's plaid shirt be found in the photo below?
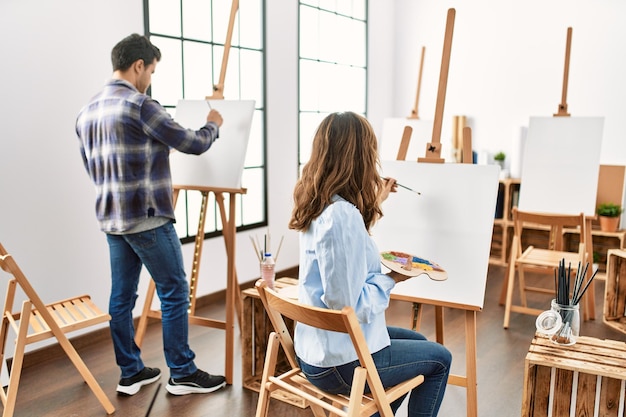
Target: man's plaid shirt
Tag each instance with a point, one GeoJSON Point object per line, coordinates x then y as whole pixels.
{"type": "Point", "coordinates": [125, 141]}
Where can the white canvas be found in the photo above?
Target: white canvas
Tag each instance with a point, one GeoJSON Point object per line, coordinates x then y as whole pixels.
{"type": "Point", "coordinates": [561, 165]}
{"type": "Point", "coordinates": [450, 223]}
{"type": "Point", "coordinates": [222, 165]}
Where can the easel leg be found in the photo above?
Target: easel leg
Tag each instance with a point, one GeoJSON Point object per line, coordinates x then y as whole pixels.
{"type": "Point", "coordinates": [230, 232]}
{"type": "Point", "coordinates": [470, 363]}
{"type": "Point", "coordinates": [233, 295]}
{"type": "Point", "coordinates": [439, 323]}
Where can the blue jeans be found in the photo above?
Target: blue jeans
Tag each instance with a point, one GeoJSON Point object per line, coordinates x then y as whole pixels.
{"type": "Point", "coordinates": [409, 355]}
{"type": "Point", "coordinates": [160, 251]}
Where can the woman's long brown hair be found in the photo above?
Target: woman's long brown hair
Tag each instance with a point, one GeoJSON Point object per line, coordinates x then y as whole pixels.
{"type": "Point", "coordinates": [344, 161]}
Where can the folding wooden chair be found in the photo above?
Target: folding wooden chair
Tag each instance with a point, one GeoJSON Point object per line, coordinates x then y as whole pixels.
{"type": "Point", "coordinates": [37, 321]}
{"type": "Point", "coordinates": [293, 381]}
{"type": "Point", "coordinates": [542, 260]}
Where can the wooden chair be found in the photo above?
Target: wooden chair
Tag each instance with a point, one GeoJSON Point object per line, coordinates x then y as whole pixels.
{"type": "Point", "coordinates": [293, 380]}
{"type": "Point", "coordinates": [543, 260]}
{"type": "Point", "coordinates": [36, 322]}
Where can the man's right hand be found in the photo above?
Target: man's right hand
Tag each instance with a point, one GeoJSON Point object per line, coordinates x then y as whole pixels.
{"type": "Point", "coordinates": [215, 117]}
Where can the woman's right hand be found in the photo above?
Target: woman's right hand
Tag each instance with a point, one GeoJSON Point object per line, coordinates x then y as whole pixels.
{"type": "Point", "coordinates": [389, 186]}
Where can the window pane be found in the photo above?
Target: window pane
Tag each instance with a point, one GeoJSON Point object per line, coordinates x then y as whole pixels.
{"type": "Point", "coordinates": [359, 9]}
{"type": "Point", "coordinates": [255, 154]}
{"type": "Point", "coordinates": [354, 8]}
{"type": "Point", "coordinates": [331, 87]}
{"type": "Point", "coordinates": [328, 5]}
{"type": "Point", "coordinates": [164, 17]}
{"type": "Point", "coordinates": [197, 19]}
{"type": "Point", "coordinates": [198, 70]}
{"type": "Point", "coordinates": [308, 125]}
{"type": "Point", "coordinates": [309, 85]}
{"type": "Point", "coordinates": [167, 86]}
{"type": "Point", "coordinates": [250, 26]}
{"type": "Point", "coordinates": [344, 88]}
{"type": "Point", "coordinates": [252, 75]}
{"type": "Point", "coordinates": [353, 39]}
{"type": "Point", "coordinates": [332, 42]}
{"type": "Point", "coordinates": [309, 27]}
{"type": "Point", "coordinates": [342, 40]}
{"type": "Point", "coordinates": [221, 17]}
{"type": "Point", "coordinates": [252, 205]}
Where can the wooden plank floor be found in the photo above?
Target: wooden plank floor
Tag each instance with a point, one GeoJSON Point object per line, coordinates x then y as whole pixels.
{"type": "Point", "coordinates": [54, 388]}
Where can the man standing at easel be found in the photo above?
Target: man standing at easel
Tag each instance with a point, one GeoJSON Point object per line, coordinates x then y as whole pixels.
{"type": "Point", "coordinates": [125, 141]}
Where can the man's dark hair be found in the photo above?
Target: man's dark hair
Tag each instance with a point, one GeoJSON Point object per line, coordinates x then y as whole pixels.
{"type": "Point", "coordinates": [132, 48]}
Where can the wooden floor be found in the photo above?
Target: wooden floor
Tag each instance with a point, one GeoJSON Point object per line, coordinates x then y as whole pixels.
{"type": "Point", "coordinates": [54, 388]}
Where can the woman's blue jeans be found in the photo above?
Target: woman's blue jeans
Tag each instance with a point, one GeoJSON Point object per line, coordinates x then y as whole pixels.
{"type": "Point", "coordinates": [409, 355]}
{"type": "Point", "coordinates": [160, 251]}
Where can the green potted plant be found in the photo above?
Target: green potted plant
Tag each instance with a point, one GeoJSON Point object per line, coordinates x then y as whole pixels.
{"type": "Point", "coordinates": [499, 158]}
{"type": "Point", "coordinates": [609, 215]}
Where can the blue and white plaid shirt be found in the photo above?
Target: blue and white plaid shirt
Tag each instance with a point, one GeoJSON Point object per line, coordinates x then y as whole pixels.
{"type": "Point", "coordinates": [125, 141]}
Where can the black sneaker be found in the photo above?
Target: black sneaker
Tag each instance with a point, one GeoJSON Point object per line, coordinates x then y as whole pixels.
{"type": "Point", "coordinates": [132, 385]}
{"type": "Point", "coordinates": [199, 382]}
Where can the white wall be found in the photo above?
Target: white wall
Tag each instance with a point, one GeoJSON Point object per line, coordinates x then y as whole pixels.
{"type": "Point", "coordinates": [507, 63]}
{"type": "Point", "coordinates": [55, 55]}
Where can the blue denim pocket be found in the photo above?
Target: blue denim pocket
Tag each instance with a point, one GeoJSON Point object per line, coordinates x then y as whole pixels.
{"type": "Point", "coordinates": [142, 239]}
{"type": "Point", "coordinates": [327, 379]}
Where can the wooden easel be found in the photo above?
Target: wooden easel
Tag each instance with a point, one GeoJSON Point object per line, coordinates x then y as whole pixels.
{"type": "Point", "coordinates": [433, 155]}
{"type": "Point", "coordinates": [563, 106]}
{"type": "Point", "coordinates": [589, 312]}
{"type": "Point", "coordinates": [218, 89]}
{"type": "Point", "coordinates": [433, 149]}
{"type": "Point", "coordinates": [233, 303]}
{"type": "Point", "coordinates": [415, 112]}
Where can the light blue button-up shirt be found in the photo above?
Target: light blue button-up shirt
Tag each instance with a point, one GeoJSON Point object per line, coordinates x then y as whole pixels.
{"type": "Point", "coordinates": [340, 266]}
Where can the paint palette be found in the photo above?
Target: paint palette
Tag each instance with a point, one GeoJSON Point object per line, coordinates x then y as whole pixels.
{"type": "Point", "coordinates": [412, 266]}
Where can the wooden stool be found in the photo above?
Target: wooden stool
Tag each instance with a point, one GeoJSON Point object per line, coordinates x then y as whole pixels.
{"type": "Point", "coordinates": [255, 330]}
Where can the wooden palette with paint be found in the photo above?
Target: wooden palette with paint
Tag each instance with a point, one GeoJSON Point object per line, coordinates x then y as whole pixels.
{"type": "Point", "coordinates": [412, 266]}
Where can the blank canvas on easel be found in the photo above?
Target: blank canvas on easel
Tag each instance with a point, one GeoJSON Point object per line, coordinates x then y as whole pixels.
{"type": "Point", "coordinates": [222, 165]}
{"type": "Point", "coordinates": [450, 223]}
{"type": "Point", "coordinates": [561, 165]}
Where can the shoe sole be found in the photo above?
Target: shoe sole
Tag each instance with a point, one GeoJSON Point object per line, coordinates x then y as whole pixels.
{"type": "Point", "coordinates": [186, 389]}
{"type": "Point", "coordinates": [134, 389]}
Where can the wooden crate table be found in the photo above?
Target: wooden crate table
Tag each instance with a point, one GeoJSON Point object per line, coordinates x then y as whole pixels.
{"type": "Point", "coordinates": [255, 330]}
{"type": "Point", "coordinates": [615, 290]}
{"type": "Point", "coordinates": [585, 379]}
